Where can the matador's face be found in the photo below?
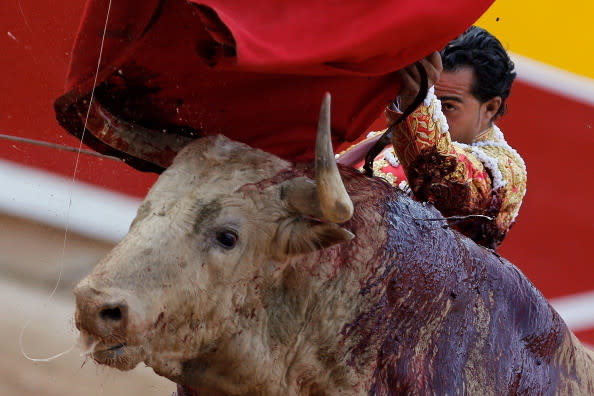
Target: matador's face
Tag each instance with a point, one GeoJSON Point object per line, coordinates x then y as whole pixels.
{"type": "Point", "coordinates": [467, 116]}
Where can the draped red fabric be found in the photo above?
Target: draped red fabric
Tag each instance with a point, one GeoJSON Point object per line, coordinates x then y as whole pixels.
{"type": "Point", "coordinates": [254, 71]}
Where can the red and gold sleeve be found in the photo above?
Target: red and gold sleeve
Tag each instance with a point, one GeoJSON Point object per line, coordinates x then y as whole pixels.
{"type": "Point", "coordinates": [485, 178]}
{"type": "Point", "coordinates": [438, 170]}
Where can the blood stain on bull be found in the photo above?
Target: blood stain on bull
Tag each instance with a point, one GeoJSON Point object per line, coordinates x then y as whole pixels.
{"type": "Point", "coordinates": [382, 303]}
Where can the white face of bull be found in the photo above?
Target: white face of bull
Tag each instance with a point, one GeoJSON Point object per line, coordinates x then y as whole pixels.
{"type": "Point", "coordinates": [186, 284]}
{"type": "Point", "coordinates": [196, 254]}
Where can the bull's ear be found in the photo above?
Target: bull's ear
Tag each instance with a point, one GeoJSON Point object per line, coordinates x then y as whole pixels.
{"type": "Point", "coordinates": [301, 235]}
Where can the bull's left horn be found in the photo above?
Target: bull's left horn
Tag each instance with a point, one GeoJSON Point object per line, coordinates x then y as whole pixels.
{"type": "Point", "coordinates": [335, 203]}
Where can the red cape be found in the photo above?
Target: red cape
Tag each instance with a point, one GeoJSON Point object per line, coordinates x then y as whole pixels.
{"type": "Point", "coordinates": [254, 71]}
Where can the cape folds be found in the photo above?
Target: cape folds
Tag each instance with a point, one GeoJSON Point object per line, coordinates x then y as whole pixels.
{"type": "Point", "coordinates": [254, 71]}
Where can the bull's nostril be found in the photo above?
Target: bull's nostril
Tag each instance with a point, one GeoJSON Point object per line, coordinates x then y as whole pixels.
{"type": "Point", "coordinates": [114, 314]}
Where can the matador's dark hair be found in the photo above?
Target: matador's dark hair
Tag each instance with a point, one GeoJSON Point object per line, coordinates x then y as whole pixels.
{"type": "Point", "coordinates": [493, 69]}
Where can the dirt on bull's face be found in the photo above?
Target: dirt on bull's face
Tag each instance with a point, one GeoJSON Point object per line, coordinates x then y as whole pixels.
{"type": "Point", "coordinates": [231, 282]}
{"type": "Point", "coordinates": [201, 274]}
{"type": "Point", "coordinates": [167, 291]}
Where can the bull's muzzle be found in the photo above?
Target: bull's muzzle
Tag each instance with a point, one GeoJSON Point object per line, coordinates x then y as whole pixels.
{"type": "Point", "coordinates": [101, 314]}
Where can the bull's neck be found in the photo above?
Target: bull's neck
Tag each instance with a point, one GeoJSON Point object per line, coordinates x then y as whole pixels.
{"type": "Point", "coordinates": [324, 312]}
{"type": "Point", "coordinates": [321, 318]}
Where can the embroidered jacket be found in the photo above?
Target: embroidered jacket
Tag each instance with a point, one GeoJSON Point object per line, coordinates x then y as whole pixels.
{"type": "Point", "coordinates": [486, 178]}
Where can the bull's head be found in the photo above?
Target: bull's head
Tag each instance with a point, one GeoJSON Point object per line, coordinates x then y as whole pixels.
{"type": "Point", "coordinates": [215, 230]}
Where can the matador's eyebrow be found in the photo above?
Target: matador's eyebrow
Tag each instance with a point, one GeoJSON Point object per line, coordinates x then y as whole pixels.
{"type": "Point", "coordinates": [451, 98]}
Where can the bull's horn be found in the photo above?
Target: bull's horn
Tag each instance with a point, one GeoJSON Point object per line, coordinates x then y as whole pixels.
{"type": "Point", "coordinates": [335, 203]}
{"type": "Point", "coordinates": [156, 147]}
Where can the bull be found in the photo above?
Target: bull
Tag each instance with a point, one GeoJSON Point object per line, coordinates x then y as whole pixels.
{"type": "Point", "coordinates": [244, 274]}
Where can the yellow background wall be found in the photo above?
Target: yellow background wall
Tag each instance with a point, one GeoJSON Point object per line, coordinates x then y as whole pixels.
{"type": "Point", "coordinates": [559, 33]}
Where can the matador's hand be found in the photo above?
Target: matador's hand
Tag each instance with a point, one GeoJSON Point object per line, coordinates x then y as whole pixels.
{"type": "Point", "coordinates": [411, 80]}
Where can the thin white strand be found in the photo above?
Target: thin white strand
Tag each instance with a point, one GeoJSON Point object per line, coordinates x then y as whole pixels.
{"type": "Point", "coordinates": [70, 202]}
{"type": "Point", "coordinates": [24, 18]}
{"type": "Point", "coordinates": [44, 360]}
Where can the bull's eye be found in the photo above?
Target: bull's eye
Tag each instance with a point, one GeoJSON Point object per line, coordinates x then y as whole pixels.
{"type": "Point", "coordinates": [227, 238]}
